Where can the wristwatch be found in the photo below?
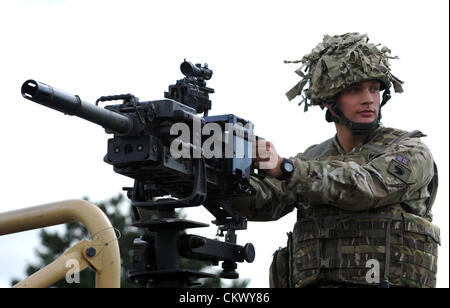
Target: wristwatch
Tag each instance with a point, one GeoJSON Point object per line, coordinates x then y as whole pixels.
{"type": "Point", "coordinates": [287, 169]}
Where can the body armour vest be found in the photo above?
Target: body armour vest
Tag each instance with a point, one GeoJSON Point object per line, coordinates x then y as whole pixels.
{"type": "Point", "coordinates": [388, 244]}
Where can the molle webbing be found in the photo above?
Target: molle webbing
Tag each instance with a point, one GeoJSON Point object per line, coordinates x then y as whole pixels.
{"type": "Point", "coordinates": [337, 249]}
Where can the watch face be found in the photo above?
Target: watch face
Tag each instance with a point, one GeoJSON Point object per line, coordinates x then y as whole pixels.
{"type": "Point", "coordinates": [289, 167]}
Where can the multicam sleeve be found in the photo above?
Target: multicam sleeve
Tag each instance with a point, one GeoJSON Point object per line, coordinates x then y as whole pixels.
{"type": "Point", "coordinates": [271, 200]}
{"type": "Point", "coordinates": [400, 174]}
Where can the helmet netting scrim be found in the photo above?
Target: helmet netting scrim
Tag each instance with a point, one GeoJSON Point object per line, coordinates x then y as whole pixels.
{"type": "Point", "coordinates": [338, 62]}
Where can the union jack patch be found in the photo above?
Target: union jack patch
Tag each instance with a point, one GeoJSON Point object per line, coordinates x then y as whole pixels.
{"type": "Point", "coordinates": [402, 159]}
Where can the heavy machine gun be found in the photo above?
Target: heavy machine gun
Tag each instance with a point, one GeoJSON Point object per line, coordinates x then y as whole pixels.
{"type": "Point", "coordinates": [205, 166]}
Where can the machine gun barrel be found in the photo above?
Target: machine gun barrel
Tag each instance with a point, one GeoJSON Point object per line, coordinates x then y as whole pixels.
{"type": "Point", "coordinates": [48, 96]}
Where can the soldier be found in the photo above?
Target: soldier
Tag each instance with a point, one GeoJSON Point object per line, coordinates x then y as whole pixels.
{"type": "Point", "coordinates": [364, 197]}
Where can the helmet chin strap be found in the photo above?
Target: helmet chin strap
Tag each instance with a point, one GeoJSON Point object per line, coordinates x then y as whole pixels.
{"type": "Point", "coordinates": [335, 114]}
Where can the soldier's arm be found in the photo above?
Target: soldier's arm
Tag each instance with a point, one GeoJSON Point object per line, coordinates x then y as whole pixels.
{"type": "Point", "coordinates": [401, 174]}
{"type": "Point", "coordinates": [271, 200]}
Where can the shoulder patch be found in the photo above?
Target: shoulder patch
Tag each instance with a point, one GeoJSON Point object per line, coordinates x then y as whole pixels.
{"type": "Point", "coordinates": [402, 159]}
{"type": "Point", "coordinates": [399, 170]}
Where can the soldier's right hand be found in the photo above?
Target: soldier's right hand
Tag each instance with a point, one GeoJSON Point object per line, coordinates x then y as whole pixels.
{"type": "Point", "coordinates": [267, 158]}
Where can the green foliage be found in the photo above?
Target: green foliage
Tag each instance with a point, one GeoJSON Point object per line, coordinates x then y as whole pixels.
{"type": "Point", "coordinates": [119, 212]}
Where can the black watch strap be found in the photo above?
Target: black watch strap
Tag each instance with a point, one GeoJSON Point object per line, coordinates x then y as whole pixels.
{"type": "Point", "coordinates": [287, 169]}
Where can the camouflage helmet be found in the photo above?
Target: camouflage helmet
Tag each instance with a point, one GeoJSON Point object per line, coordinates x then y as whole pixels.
{"type": "Point", "coordinates": [338, 62]}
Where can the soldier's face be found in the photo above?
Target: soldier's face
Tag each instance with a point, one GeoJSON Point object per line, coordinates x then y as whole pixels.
{"type": "Point", "coordinates": [360, 102]}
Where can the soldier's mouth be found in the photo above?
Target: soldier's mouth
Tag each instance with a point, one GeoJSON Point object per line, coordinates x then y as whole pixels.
{"type": "Point", "coordinates": [366, 113]}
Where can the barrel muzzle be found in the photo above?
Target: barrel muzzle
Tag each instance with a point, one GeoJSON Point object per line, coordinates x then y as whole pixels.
{"type": "Point", "coordinates": [66, 103]}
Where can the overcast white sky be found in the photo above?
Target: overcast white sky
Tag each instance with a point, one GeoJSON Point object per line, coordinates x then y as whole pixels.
{"type": "Point", "coordinates": [94, 48]}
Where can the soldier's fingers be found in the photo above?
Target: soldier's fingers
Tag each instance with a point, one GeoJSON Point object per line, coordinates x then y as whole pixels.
{"type": "Point", "coordinates": [269, 164]}
{"type": "Point", "coordinates": [259, 158]}
{"type": "Point", "coordinates": [259, 145]}
{"type": "Point", "coordinates": [263, 151]}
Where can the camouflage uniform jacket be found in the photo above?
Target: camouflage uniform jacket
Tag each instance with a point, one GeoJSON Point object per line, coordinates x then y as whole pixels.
{"type": "Point", "coordinates": [373, 202]}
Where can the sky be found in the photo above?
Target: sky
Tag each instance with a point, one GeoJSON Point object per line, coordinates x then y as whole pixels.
{"type": "Point", "coordinates": [94, 48]}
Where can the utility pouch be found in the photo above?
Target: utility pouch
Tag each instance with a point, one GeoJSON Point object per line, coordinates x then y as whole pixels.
{"type": "Point", "coordinates": [280, 269]}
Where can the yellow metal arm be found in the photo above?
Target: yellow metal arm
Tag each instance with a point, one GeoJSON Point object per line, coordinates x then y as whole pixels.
{"type": "Point", "coordinates": [102, 253]}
